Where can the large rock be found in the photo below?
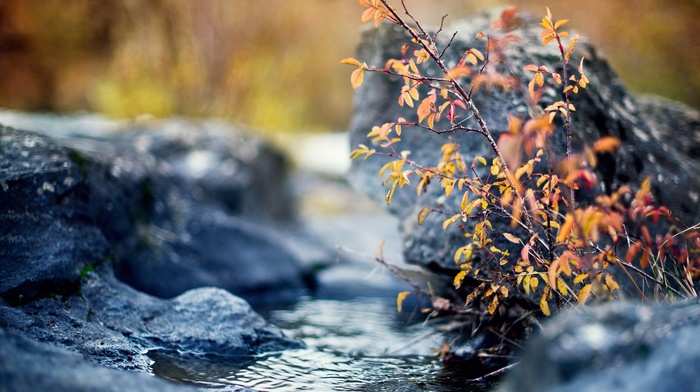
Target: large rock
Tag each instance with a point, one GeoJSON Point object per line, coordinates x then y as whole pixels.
{"type": "Point", "coordinates": [616, 347]}
{"type": "Point", "coordinates": [113, 325]}
{"type": "Point", "coordinates": [177, 204]}
{"type": "Point", "coordinates": [26, 365]}
{"type": "Point", "coordinates": [605, 107]}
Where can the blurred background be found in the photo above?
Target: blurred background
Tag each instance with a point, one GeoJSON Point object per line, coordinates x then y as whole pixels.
{"type": "Point", "coordinates": [273, 64]}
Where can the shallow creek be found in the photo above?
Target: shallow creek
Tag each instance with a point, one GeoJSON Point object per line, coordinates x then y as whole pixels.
{"type": "Point", "coordinates": [356, 340]}
{"type": "Point", "coordinates": [352, 345]}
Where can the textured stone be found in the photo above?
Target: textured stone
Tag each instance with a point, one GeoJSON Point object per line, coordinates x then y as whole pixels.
{"type": "Point", "coordinates": [616, 347]}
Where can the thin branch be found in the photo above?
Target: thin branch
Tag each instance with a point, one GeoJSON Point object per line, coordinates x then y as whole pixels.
{"type": "Point", "coordinates": [449, 43]}
{"type": "Point", "coordinates": [495, 373]}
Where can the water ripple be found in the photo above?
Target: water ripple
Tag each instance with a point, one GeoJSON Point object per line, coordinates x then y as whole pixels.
{"type": "Point", "coordinates": [352, 346]}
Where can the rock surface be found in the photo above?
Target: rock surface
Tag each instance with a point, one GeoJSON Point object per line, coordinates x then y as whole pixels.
{"type": "Point", "coordinates": [604, 108]}
{"type": "Point", "coordinates": [26, 365]}
{"type": "Point", "coordinates": [616, 347]}
{"type": "Point", "coordinates": [168, 211]}
{"type": "Point", "coordinates": [177, 205]}
{"type": "Point", "coordinates": [113, 325]}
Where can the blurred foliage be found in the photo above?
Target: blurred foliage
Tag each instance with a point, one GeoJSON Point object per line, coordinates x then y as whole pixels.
{"type": "Point", "coordinates": [274, 64]}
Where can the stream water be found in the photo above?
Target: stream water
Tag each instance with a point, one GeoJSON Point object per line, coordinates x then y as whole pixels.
{"type": "Point", "coordinates": [352, 345]}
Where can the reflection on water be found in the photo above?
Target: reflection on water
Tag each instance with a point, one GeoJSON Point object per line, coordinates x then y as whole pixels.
{"type": "Point", "coordinates": [353, 345]}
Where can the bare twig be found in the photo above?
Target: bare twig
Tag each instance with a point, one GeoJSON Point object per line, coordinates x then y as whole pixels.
{"type": "Point", "coordinates": [494, 374]}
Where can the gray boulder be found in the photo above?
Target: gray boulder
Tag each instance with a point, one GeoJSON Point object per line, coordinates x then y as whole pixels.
{"type": "Point", "coordinates": [115, 326]}
{"type": "Point", "coordinates": [605, 107]}
{"type": "Point", "coordinates": [616, 347]}
{"type": "Point", "coordinates": [177, 205]}
{"type": "Point", "coordinates": [26, 365]}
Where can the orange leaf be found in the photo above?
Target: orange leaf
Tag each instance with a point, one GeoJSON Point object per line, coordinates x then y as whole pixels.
{"type": "Point", "coordinates": [552, 273]}
{"type": "Point", "coordinates": [606, 144]}
{"type": "Point", "coordinates": [425, 108]}
{"type": "Point", "coordinates": [494, 304]}
{"type": "Point", "coordinates": [584, 294]}
{"type": "Point", "coordinates": [457, 72]}
{"type": "Point", "coordinates": [644, 261]}
{"type": "Point", "coordinates": [565, 229]}
{"type": "Point", "coordinates": [357, 77]}
{"type": "Point", "coordinates": [512, 238]}
{"type": "Point", "coordinates": [368, 14]}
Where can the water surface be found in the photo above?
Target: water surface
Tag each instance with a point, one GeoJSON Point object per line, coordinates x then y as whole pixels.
{"type": "Point", "coordinates": [353, 345]}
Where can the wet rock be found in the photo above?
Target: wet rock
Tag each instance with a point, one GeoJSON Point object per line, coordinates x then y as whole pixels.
{"type": "Point", "coordinates": [177, 204]}
{"type": "Point", "coordinates": [616, 347]}
{"type": "Point", "coordinates": [113, 325]}
{"type": "Point", "coordinates": [47, 232]}
{"type": "Point", "coordinates": [27, 365]}
{"type": "Point", "coordinates": [604, 108]}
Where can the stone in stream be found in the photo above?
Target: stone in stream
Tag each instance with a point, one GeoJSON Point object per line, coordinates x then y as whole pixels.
{"type": "Point", "coordinates": [617, 347]}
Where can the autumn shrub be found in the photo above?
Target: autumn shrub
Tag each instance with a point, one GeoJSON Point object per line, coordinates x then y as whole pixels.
{"type": "Point", "coordinates": [572, 249]}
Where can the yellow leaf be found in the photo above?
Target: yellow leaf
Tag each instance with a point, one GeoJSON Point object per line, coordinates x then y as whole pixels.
{"type": "Point", "coordinates": [534, 282]}
{"type": "Point", "coordinates": [561, 287]}
{"type": "Point", "coordinates": [495, 169]}
{"type": "Point", "coordinates": [391, 192]}
{"type": "Point", "coordinates": [480, 160]}
{"type": "Point", "coordinates": [400, 298]}
{"type": "Point", "coordinates": [580, 278]}
{"type": "Point", "coordinates": [494, 304]}
{"type": "Point", "coordinates": [422, 215]}
{"type": "Point", "coordinates": [413, 67]}
{"type": "Point", "coordinates": [544, 306]}
{"type": "Point", "coordinates": [385, 168]}
{"type": "Point", "coordinates": [526, 283]}
{"type": "Point", "coordinates": [560, 23]}
{"type": "Point", "coordinates": [459, 278]}
{"type": "Point", "coordinates": [450, 221]}
{"type": "Point", "coordinates": [584, 294]}
{"type": "Point", "coordinates": [351, 61]}
{"type": "Point", "coordinates": [611, 283]}
{"type": "Point", "coordinates": [504, 291]}
{"type": "Point", "coordinates": [448, 184]}
{"type": "Point", "coordinates": [357, 77]}
{"type": "Point", "coordinates": [512, 238]}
